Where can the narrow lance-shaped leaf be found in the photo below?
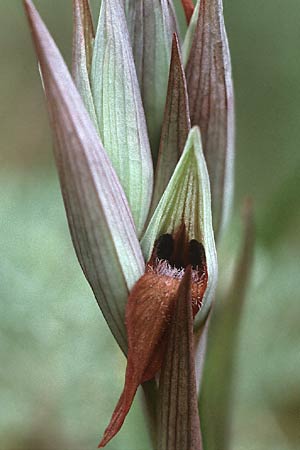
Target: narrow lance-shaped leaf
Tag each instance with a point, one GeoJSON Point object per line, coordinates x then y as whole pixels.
{"type": "Point", "coordinates": [100, 222]}
{"type": "Point", "coordinates": [176, 125]}
{"type": "Point", "coordinates": [217, 392]}
{"type": "Point", "coordinates": [119, 109]}
{"type": "Point", "coordinates": [83, 38]}
{"type": "Point", "coordinates": [186, 202]}
{"type": "Point", "coordinates": [178, 416]}
{"type": "Point", "coordinates": [151, 26]}
{"type": "Point", "coordinates": [210, 89]}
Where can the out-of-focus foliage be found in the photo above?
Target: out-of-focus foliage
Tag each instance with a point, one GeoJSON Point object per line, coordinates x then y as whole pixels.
{"type": "Point", "coordinates": [60, 368]}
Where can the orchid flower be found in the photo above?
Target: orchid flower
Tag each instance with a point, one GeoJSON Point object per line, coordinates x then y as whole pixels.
{"type": "Point", "coordinates": [129, 125]}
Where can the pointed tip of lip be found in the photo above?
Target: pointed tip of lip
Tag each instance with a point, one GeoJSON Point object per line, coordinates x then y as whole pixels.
{"type": "Point", "coordinates": [104, 441]}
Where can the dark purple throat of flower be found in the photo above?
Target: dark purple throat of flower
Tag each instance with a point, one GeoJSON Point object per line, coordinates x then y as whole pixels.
{"type": "Point", "coordinates": [149, 311]}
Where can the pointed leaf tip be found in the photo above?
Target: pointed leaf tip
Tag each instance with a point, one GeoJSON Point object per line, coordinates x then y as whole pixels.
{"type": "Point", "coordinates": [99, 218]}
{"type": "Point", "coordinates": [210, 90]}
{"type": "Point", "coordinates": [179, 425]}
{"type": "Point", "coordinates": [120, 111]}
{"type": "Point", "coordinates": [176, 125]}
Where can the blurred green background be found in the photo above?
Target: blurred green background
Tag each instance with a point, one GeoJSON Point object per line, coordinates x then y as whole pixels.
{"type": "Point", "coordinates": [60, 370]}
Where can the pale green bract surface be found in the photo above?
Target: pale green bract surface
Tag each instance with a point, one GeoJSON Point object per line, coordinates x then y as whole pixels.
{"type": "Point", "coordinates": [187, 200]}
{"type": "Point", "coordinates": [119, 109]}
{"type": "Point", "coordinates": [151, 25]}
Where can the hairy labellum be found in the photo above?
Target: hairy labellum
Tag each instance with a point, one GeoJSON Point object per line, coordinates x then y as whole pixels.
{"type": "Point", "coordinates": [149, 311]}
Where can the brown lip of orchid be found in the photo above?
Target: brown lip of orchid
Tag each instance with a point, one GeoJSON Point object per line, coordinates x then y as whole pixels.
{"type": "Point", "coordinates": [149, 310]}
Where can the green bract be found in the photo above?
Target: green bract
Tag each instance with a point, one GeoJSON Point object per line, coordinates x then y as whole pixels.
{"type": "Point", "coordinates": [186, 200]}
{"type": "Point", "coordinates": [119, 109]}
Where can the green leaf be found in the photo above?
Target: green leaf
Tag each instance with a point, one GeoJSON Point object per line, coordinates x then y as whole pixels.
{"type": "Point", "coordinates": [218, 377]}
{"type": "Point", "coordinates": [176, 125]}
{"type": "Point", "coordinates": [186, 200]}
{"type": "Point", "coordinates": [119, 109]}
{"type": "Point", "coordinates": [178, 417]}
{"type": "Point", "coordinates": [210, 89]}
{"type": "Point", "coordinates": [99, 218]}
{"type": "Point", "coordinates": [83, 38]}
{"type": "Point", "coordinates": [151, 26]}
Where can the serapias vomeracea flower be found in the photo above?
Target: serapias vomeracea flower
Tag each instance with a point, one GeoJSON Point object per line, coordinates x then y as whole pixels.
{"type": "Point", "coordinates": [133, 174]}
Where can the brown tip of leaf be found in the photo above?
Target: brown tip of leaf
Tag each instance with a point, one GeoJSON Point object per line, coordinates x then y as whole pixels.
{"type": "Point", "coordinates": [188, 7]}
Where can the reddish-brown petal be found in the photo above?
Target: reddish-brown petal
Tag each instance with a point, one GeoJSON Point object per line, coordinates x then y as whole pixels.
{"type": "Point", "coordinates": [148, 313]}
